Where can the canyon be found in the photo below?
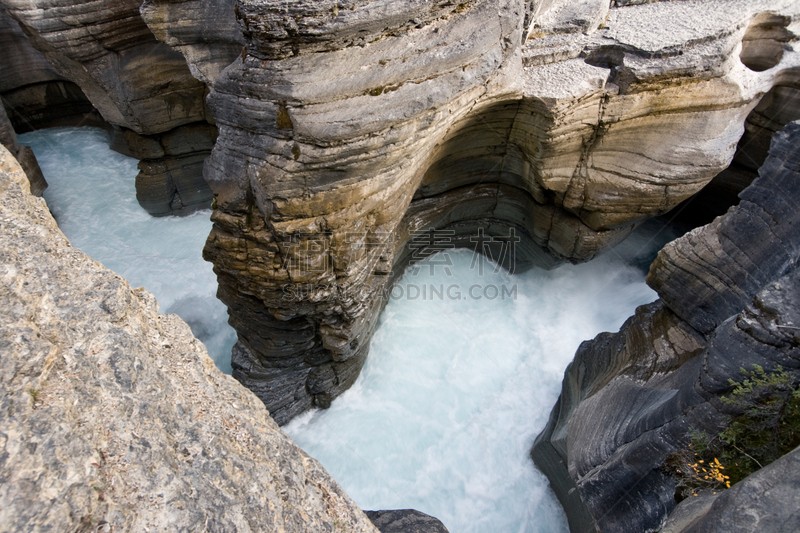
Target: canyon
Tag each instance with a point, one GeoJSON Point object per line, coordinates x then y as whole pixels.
{"type": "Point", "coordinates": [338, 138]}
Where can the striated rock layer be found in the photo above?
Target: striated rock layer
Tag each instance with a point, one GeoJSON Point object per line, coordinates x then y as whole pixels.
{"type": "Point", "coordinates": [729, 299]}
{"type": "Point", "coordinates": [114, 417]}
{"type": "Point", "coordinates": [134, 81]}
{"type": "Point", "coordinates": [34, 94]}
{"type": "Point", "coordinates": [553, 128]}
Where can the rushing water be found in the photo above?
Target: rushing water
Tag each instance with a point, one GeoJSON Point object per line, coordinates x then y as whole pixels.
{"type": "Point", "coordinates": [456, 387]}
{"type": "Point", "coordinates": [464, 367]}
{"type": "Point", "coordinates": [92, 196]}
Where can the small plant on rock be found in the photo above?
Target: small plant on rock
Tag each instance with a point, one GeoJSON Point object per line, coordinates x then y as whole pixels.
{"type": "Point", "coordinates": [765, 426]}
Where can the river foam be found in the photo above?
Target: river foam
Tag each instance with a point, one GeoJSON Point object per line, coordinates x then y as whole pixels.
{"type": "Point", "coordinates": [462, 374]}
{"type": "Point", "coordinates": [464, 367]}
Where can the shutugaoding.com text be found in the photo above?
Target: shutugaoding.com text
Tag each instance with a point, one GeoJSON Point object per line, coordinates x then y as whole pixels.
{"type": "Point", "coordinates": [308, 257]}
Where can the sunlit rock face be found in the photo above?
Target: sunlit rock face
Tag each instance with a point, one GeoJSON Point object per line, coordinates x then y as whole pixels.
{"type": "Point", "coordinates": [115, 416]}
{"type": "Point", "coordinates": [348, 127]}
{"type": "Point", "coordinates": [729, 299]}
{"type": "Point", "coordinates": [136, 83]}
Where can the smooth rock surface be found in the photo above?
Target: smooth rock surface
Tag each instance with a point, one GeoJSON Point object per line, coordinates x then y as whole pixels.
{"type": "Point", "coordinates": [115, 418]}
{"type": "Point", "coordinates": [730, 298]}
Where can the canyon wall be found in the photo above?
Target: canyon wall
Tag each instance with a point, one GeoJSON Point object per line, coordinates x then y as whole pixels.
{"type": "Point", "coordinates": [23, 154]}
{"type": "Point", "coordinates": [349, 128]}
{"type": "Point", "coordinates": [65, 57]}
{"type": "Point", "coordinates": [33, 93]}
{"type": "Point", "coordinates": [116, 419]}
{"type": "Point", "coordinates": [729, 299]}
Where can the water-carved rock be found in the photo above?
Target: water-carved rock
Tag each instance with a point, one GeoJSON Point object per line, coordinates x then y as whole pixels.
{"type": "Point", "coordinates": [730, 298]}
{"type": "Point", "coordinates": [346, 128]}
{"type": "Point", "coordinates": [134, 81]}
{"type": "Point", "coordinates": [34, 94]}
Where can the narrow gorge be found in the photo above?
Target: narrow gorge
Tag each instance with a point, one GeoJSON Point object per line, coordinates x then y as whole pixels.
{"type": "Point", "coordinates": [339, 143]}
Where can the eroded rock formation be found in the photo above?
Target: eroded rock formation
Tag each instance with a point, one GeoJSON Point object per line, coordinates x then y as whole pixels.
{"type": "Point", "coordinates": [23, 154]}
{"type": "Point", "coordinates": [114, 418]}
{"type": "Point", "coordinates": [729, 298]}
{"type": "Point", "coordinates": [134, 81]}
{"type": "Point", "coordinates": [346, 128]}
{"type": "Point", "coordinates": [34, 94]}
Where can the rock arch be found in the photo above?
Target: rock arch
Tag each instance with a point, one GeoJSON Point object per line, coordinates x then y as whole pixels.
{"type": "Point", "coordinates": [333, 149]}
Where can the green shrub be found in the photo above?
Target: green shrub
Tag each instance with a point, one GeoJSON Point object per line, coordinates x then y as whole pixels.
{"type": "Point", "coordinates": [765, 426]}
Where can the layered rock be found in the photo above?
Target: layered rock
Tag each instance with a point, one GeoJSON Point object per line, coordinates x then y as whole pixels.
{"type": "Point", "coordinates": [34, 94]}
{"type": "Point", "coordinates": [405, 521]}
{"type": "Point", "coordinates": [729, 299]}
{"type": "Point", "coordinates": [135, 82]}
{"type": "Point", "coordinates": [114, 416]}
{"type": "Point", "coordinates": [347, 128]}
{"type": "Point", "coordinates": [204, 31]}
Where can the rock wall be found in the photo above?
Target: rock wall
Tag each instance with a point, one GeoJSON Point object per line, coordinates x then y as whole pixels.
{"type": "Point", "coordinates": [34, 94]}
{"type": "Point", "coordinates": [204, 31]}
{"type": "Point", "coordinates": [347, 128]}
{"type": "Point", "coordinates": [134, 81]}
{"type": "Point", "coordinates": [729, 298]}
{"type": "Point", "coordinates": [114, 416]}
{"type": "Point", "coordinates": [23, 154]}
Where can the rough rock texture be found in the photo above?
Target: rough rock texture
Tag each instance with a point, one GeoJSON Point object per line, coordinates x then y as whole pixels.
{"type": "Point", "coordinates": [766, 501]}
{"type": "Point", "coordinates": [405, 521]}
{"type": "Point", "coordinates": [23, 154]}
{"type": "Point", "coordinates": [133, 80]}
{"type": "Point", "coordinates": [114, 418]}
{"type": "Point", "coordinates": [730, 298]}
{"type": "Point", "coordinates": [348, 127]}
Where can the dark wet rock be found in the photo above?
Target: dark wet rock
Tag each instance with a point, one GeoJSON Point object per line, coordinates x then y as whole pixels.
{"type": "Point", "coordinates": [730, 298]}
{"type": "Point", "coordinates": [23, 154]}
{"type": "Point", "coordinates": [768, 501]}
{"type": "Point", "coordinates": [405, 521]}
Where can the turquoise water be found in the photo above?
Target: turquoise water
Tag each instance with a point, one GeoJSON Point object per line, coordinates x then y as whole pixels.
{"type": "Point", "coordinates": [455, 390]}
{"type": "Point", "coordinates": [92, 196]}
{"type": "Point", "coordinates": [457, 385]}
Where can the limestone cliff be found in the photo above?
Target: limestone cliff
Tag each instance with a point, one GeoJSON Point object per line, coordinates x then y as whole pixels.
{"type": "Point", "coordinates": [347, 128]}
{"type": "Point", "coordinates": [729, 298]}
{"type": "Point", "coordinates": [134, 81]}
{"type": "Point", "coordinates": [114, 418]}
